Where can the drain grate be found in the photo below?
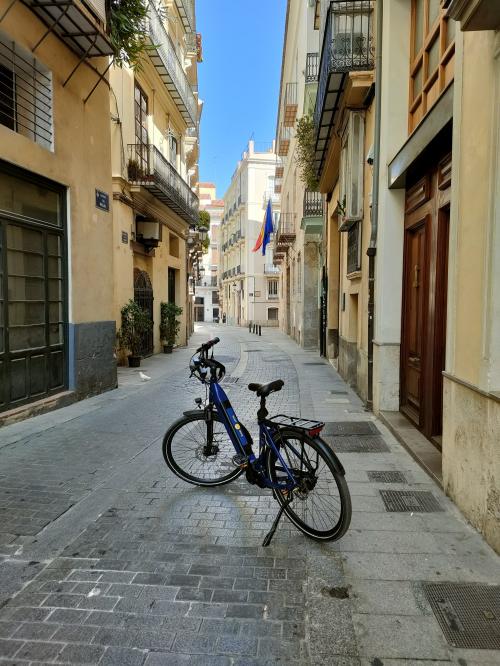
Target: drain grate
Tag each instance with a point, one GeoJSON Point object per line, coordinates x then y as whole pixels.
{"type": "Point", "coordinates": [350, 428]}
{"type": "Point", "coordinates": [386, 477]}
{"type": "Point", "coordinates": [339, 392]}
{"type": "Point", "coordinates": [357, 444]}
{"type": "Point", "coordinates": [418, 501]}
{"type": "Point", "coordinates": [468, 613]}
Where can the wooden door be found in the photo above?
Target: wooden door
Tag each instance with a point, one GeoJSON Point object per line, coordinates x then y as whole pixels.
{"type": "Point", "coordinates": [425, 271]}
{"type": "Point", "coordinates": [415, 306]}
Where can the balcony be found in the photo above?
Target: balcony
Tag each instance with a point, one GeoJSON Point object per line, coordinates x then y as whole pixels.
{"type": "Point", "coordinates": [279, 172]}
{"type": "Point", "coordinates": [312, 215]}
{"type": "Point", "coordinates": [163, 56]}
{"type": "Point", "coordinates": [148, 168]}
{"type": "Point", "coordinates": [290, 105]}
{"type": "Point", "coordinates": [270, 195]}
{"type": "Point", "coordinates": [186, 12]}
{"type": "Point", "coordinates": [284, 140]}
{"type": "Point", "coordinates": [270, 269]}
{"type": "Point", "coordinates": [347, 47]}
{"type": "Point", "coordinates": [312, 67]}
{"type": "Point", "coordinates": [82, 28]}
{"type": "Point", "coordinates": [285, 234]}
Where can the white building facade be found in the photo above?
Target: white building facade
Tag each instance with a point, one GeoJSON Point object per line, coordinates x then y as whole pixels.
{"type": "Point", "coordinates": [206, 297]}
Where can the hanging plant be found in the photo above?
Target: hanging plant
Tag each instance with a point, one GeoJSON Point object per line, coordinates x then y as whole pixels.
{"type": "Point", "coordinates": [128, 32]}
{"type": "Point", "coordinates": [305, 133]}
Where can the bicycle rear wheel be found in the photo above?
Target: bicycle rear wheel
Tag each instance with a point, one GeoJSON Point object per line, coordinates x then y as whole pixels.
{"type": "Point", "coordinates": [321, 504]}
{"type": "Point", "coordinates": [191, 457]}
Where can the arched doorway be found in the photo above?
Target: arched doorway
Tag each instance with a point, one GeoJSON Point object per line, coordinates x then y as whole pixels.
{"type": "Point", "coordinates": [143, 296]}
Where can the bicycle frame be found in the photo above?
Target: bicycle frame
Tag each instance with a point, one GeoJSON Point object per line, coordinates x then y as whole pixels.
{"type": "Point", "coordinates": [242, 445]}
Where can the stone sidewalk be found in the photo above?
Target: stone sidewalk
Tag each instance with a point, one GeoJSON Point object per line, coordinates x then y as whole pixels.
{"type": "Point", "coordinates": [107, 558]}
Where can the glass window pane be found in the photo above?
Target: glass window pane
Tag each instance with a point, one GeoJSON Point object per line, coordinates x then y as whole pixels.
{"type": "Point", "coordinates": [26, 289]}
{"type": "Point", "coordinates": [24, 198]}
{"type": "Point", "coordinates": [54, 244]}
{"type": "Point", "coordinates": [450, 31]}
{"type": "Point", "coordinates": [55, 334]}
{"type": "Point", "coordinates": [26, 337]}
{"type": "Point", "coordinates": [417, 82]}
{"type": "Point", "coordinates": [55, 267]}
{"type": "Point", "coordinates": [419, 25]}
{"type": "Point", "coordinates": [26, 313]}
{"type": "Point", "coordinates": [19, 238]}
{"type": "Point", "coordinates": [21, 263]}
{"type": "Point", "coordinates": [433, 12]}
{"type": "Point", "coordinates": [433, 56]}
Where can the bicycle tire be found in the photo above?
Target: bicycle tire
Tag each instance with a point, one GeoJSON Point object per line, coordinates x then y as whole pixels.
{"type": "Point", "coordinates": [174, 463]}
{"type": "Point", "coordinates": [274, 469]}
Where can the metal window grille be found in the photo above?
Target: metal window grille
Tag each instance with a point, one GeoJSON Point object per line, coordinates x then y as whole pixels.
{"type": "Point", "coordinates": [25, 94]}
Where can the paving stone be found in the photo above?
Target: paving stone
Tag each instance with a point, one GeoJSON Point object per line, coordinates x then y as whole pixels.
{"type": "Point", "coordinates": [8, 648]}
{"type": "Point", "coordinates": [39, 651]}
{"type": "Point", "coordinates": [35, 631]}
{"type": "Point", "coordinates": [115, 656]}
{"type": "Point", "coordinates": [81, 654]}
{"type": "Point", "coordinates": [193, 643]}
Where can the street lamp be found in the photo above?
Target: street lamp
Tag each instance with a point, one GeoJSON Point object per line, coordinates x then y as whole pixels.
{"type": "Point", "coordinates": [202, 231]}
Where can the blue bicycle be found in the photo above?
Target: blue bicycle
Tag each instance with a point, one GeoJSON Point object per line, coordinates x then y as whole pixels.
{"type": "Point", "coordinates": [208, 446]}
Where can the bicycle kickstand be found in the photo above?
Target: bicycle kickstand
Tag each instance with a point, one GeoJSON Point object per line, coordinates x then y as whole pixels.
{"type": "Point", "coordinates": [270, 534]}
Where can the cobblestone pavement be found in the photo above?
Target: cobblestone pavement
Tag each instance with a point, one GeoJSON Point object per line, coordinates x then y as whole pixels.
{"type": "Point", "coordinates": [107, 558]}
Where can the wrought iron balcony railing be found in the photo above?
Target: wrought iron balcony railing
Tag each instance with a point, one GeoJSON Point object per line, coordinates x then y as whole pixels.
{"type": "Point", "coordinates": [313, 204]}
{"type": "Point", "coordinates": [270, 269]}
{"type": "Point", "coordinates": [312, 67]}
{"type": "Point", "coordinates": [285, 234]}
{"type": "Point", "coordinates": [347, 47]}
{"type": "Point", "coordinates": [149, 168]}
{"type": "Point", "coordinates": [164, 58]}
{"type": "Point", "coordinates": [284, 140]}
{"type": "Point", "coordinates": [186, 12]}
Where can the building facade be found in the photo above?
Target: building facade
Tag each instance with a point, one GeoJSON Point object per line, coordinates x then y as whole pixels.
{"type": "Point", "coordinates": [298, 243]}
{"type": "Point", "coordinates": [249, 281]}
{"type": "Point", "coordinates": [155, 114]}
{"type": "Point", "coordinates": [56, 229]}
{"type": "Point", "coordinates": [207, 302]}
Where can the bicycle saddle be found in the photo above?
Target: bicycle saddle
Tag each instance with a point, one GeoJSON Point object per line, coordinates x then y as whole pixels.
{"type": "Point", "coordinates": [263, 390]}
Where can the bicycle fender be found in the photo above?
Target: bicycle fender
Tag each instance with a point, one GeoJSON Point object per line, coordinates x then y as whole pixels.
{"type": "Point", "coordinates": [193, 412]}
{"type": "Point", "coordinates": [339, 468]}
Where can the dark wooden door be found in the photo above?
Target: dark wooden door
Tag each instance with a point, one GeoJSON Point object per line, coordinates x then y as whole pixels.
{"type": "Point", "coordinates": [415, 307]}
{"type": "Point", "coordinates": [425, 281]}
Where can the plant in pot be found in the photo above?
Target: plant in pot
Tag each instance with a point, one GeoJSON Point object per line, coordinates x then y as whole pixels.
{"type": "Point", "coordinates": [135, 323]}
{"type": "Point", "coordinates": [169, 325]}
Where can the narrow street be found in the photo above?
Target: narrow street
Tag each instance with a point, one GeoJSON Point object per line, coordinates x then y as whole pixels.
{"type": "Point", "coordinates": [107, 558]}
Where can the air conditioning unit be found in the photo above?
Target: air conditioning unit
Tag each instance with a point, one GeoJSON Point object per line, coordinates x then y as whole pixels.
{"type": "Point", "coordinates": [148, 232]}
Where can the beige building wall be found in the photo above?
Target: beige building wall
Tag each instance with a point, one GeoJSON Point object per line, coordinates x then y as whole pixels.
{"type": "Point", "coordinates": [245, 274]}
{"type": "Point", "coordinates": [471, 436]}
{"type": "Point", "coordinates": [133, 199]}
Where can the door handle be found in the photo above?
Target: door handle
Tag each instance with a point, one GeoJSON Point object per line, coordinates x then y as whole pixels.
{"type": "Point", "coordinates": [414, 359]}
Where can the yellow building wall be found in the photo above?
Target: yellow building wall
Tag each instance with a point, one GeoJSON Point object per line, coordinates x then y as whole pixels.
{"type": "Point", "coordinates": [80, 161]}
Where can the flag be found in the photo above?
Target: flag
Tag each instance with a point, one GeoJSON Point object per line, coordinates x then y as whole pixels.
{"type": "Point", "coordinates": [266, 230]}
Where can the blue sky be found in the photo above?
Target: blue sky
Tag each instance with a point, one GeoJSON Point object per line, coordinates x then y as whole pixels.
{"type": "Point", "coordinates": [238, 80]}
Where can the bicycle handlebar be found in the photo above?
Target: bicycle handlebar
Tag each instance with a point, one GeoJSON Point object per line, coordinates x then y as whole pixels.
{"type": "Point", "coordinates": [207, 345]}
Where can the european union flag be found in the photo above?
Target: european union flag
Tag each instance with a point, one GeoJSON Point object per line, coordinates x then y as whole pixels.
{"type": "Point", "coordinates": [268, 226]}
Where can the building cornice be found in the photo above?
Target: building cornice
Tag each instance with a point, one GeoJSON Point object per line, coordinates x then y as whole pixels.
{"type": "Point", "coordinates": [475, 14]}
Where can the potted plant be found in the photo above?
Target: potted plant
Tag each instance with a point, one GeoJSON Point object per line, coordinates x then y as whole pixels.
{"type": "Point", "coordinates": [135, 323]}
{"type": "Point", "coordinates": [169, 325]}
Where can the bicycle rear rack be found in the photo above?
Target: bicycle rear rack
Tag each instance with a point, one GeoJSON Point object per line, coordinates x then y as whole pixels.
{"type": "Point", "coordinates": [312, 428]}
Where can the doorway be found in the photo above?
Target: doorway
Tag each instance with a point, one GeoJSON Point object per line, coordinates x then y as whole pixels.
{"type": "Point", "coordinates": [143, 296]}
{"type": "Point", "coordinates": [425, 280]}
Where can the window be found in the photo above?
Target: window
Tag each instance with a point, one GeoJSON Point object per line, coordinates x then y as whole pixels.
{"type": "Point", "coordinates": [171, 285]}
{"type": "Point", "coordinates": [352, 167]}
{"type": "Point", "coordinates": [272, 314]}
{"type": "Point", "coordinates": [25, 94]}
{"type": "Point", "coordinates": [432, 44]}
{"type": "Point", "coordinates": [141, 128]}
{"type": "Point", "coordinates": [173, 150]}
{"type": "Point", "coordinates": [354, 248]}
{"type": "Point", "coordinates": [272, 288]}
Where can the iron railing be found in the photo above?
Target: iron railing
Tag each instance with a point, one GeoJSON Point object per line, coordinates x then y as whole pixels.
{"type": "Point", "coordinates": [186, 12]}
{"type": "Point", "coordinates": [149, 168]}
{"type": "Point", "coordinates": [313, 204]}
{"type": "Point", "coordinates": [164, 58]}
{"type": "Point", "coordinates": [270, 269]}
{"type": "Point", "coordinates": [312, 67]}
{"type": "Point", "coordinates": [25, 94]}
{"type": "Point", "coordinates": [347, 44]}
{"type": "Point", "coordinates": [286, 228]}
{"type": "Point", "coordinates": [290, 104]}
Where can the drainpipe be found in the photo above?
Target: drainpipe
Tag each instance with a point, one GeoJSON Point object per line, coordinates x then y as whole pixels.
{"type": "Point", "coordinates": [372, 248]}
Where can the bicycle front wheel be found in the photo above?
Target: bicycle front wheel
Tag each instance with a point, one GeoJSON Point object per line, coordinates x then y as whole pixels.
{"type": "Point", "coordinates": [321, 504]}
{"type": "Point", "coordinates": [192, 457]}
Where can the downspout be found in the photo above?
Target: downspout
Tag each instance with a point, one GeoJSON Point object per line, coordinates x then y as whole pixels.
{"type": "Point", "coordinates": [372, 248]}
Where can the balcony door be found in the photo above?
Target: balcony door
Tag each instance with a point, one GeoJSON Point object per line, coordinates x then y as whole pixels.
{"type": "Point", "coordinates": [141, 129]}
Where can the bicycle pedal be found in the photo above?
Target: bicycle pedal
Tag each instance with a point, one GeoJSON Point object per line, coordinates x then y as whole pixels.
{"type": "Point", "coordinates": [241, 460]}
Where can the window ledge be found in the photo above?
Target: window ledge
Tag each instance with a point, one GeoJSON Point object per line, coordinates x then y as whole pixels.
{"type": "Point", "coordinates": [355, 275]}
